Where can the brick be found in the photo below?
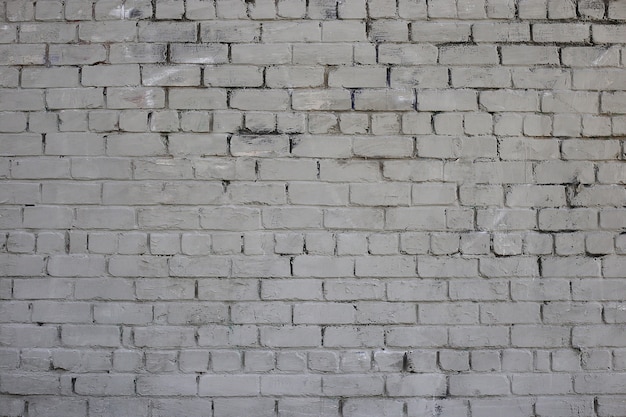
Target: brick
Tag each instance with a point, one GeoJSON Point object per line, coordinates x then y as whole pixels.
{"type": "Point", "coordinates": [479, 385]}
{"type": "Point", "coordinates": [385, 100]}
{"type": "Point", "coordinates": [197, 99]}
{"type": "Point", "coordinates": [308, 407]}
{"type": "Point", "coordinates": [540, 336]}
{"type": "Point", "coordinates": [405, 54]}
{"type": "Point", "coordinates": [569, 102]}
{"type": "Point", "coordinates": [181, 75]}
{"type": "Point", "coordinates": [215, 335]}
{"type": "Point", "coordinates": [427, 77]}
{"type": "Point", "coordinates": [450, 313]}
{"type": "Point", "coordinates": [358, 77]}
{"type": "Point", "coordinates": [26, 384]}
{"type": "Point", "coordinates": [480, 77]}
{"type": "Point", "coordinates": [111, 385]}
{"type": "Point", "coordinates": [513, 407]}
{"type": "Point", "coordinates": [260, 54]}
{"type": "Point", "coordinates": [610, 405]}
{"type": "Point", "coordinates": [523, 148]}
{"type": "Point", "coordinates": [542, 78]}
{"type": "Point", "coordinates": [416, 385]}
{"type": "Point", "coordinates": [561, 32]}
{"type": "Point", "coordinates": [413, 218]}
{"type": "Point", "coordinates": [441, 32]}
{"type": "Point", "coordinates": [501, 32]}
{"type": "Point", "coordinates": [110, 31]}
{"type": "Point", "coordinates": [535, 196]}
{"type": "Point", "coordinates": [512, 100]}
{"type": "Point", "coordinates": [529, 55]}
{"type": "Point", "coordinates": [319, 266]}
{"type": "Point", "coordinates": [259, 266]}
{"type": "Point", "coordinates": [454, 361]}
{"type": "Point", "coordinates": [296, 77]}
{"type": "Point", "coordinates": [252, 99]}
{"type": "Point", "coordinates": [75, 98]}
{"type": "Point", "coordinates": [22, 54]}
{"type": "Point", "coordinates": [357, 385]}
{"type": "Point", "coordinates": [295, 336]}
{"type": "Point", "coordinates": [85, 335]}
{"type": "Point", "coordinates": [605, 384]}
{"type": "Point", "coordinates": [161, 337]}
{"type": "Point", "coordinates": [140, 53]}
{"type": "Point", "coordinates": [450, 100]}
{"type": "Point", "coordinates": [380, 313]}
{"type": "Point", "coordinates": [102, 407]}
{"type": "Point", "coordinates": [468, 55]}
{"type": "Point", "coordinates": [477, 336]}
{"type": "Point", "coordinates": [449, 407]}
{"type": "Point", "coordinates": [171, 384]}
{"type": "Point", "coordinates": [227, 407]}
{"type": "Point", "coordinates": [38, 217]}
{"type": "Point", "coordinates": [562, 406]}
{"type": "Point", "coordinates": [606, 33]}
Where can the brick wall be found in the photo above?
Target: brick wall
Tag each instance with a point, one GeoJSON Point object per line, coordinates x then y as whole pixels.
{"type": "Point", "coordinates": [312, 208]}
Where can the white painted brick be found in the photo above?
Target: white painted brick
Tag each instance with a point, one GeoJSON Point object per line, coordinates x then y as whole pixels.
{"type": "Point", "coordinates": [285, 181]}
{"type": "Point", "coordinates": [513, 407]}
{"type": "Point", "coordinates": [526, 148]}
{"type": "Point", "coordinates": [423, 336]}
{"type": "Point", "coordinates": [447, 407]}
{"type": "Point", "coordinates": [357, 385]}
{"type": "Point", "coordinates": [448, 313]}
{"type": "Point", "coordinates": [479, 385]}
{"type": "Point", "coordinates": [384, 100]}
{"type": "Point", "coordinates": [477, 336]}
{"type": "Point", "coordinates": [454, 361]}
{"type": "Point", "coordinates": [468, 55]}
{"type": "Point", "coordinates": [561, 32]}
{"type": "Point", "coordinates": [501, 32]}
{"type": "Point", "coordinates": [227, 407]}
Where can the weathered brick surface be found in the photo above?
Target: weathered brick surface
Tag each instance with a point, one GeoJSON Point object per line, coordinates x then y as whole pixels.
{"type": "Point", "coordinates": [314, 208]}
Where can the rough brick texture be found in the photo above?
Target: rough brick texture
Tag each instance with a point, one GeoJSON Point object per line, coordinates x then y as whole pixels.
{"type": "Point", "coordinates": [214, 208]}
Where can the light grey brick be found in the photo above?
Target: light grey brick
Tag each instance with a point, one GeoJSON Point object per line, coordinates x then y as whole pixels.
{"type": "Point", "coordinates": [356, 385]}
{"type": "Point", "coordinates": [540, 336]}
{"type": "Point", "coordinates": [479, 336]}
{"type": "Point", "coordinates": [567, 219]}
{"type": "Point", "coordinates": [135, 97]}
{"type": "Point", "coordinates": [603, 383]}
{"type": "Point", "coordinates": [447, 407]}
{"type": "Point", "coordinates": [448, 313]}
{"type": "Point", "coordinates": [501, 32]}
{"type": "Point", "coordinates": [227, 407]}
{"type": "Point", "coordinates": [561, 32]}
{"type": "Point", "coordinates": [85, 335]}
{"type": "Point", "coordinates": [450, 360]}
{"type": "Point", "coordinates": [479, 385]}
{"type": "Point", "coordinates": [513, 407]}
{"type": "Point", "coordinates": [308, 407]}
{"type": "Point", "coordinates": [122, 313]}
{"type": "Point", "coordinates": [295, 336]}
{"type": "Point", "coordinates": [423, 336]}
{"type": "Point", "coordinates": [170, 384]}
{"type": "Point", "coordinates": [563, 406]}
{"type": "Point", "coordinates": [110, 31]}
{"type": "Point", "coordinates": [384, 100]}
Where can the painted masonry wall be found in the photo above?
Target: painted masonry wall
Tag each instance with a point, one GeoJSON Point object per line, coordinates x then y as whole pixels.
{"type": "Point", "coordinates": [321, 208]}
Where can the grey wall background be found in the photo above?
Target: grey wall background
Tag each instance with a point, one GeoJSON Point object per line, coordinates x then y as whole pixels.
{"type": "Point", "coordinates": [312, 208]}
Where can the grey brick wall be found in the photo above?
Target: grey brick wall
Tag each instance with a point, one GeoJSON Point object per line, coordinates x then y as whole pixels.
{"type": "Point", "coordinates": [214, 208]}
